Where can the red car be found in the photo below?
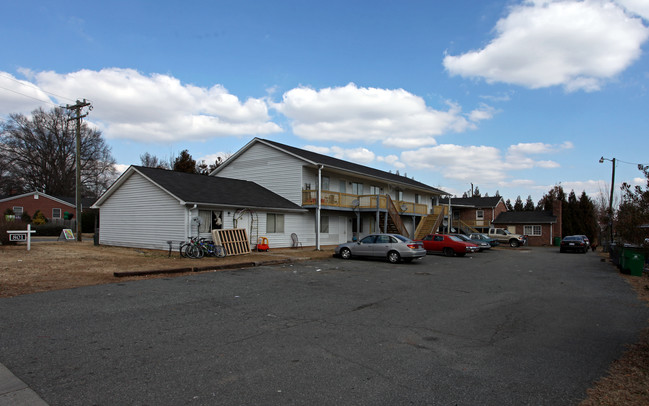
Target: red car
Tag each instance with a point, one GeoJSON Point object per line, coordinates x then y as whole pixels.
{"type": "Point", "coordinates": [449, 245]}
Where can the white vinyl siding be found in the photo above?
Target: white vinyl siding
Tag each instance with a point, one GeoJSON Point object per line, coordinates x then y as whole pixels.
{"type": "Point", "coordinates": [140, 214]}
{"type": "Point", "coordinates": [275, 170]}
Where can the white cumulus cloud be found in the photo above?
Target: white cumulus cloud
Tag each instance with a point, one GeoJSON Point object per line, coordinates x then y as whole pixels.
{"type": "Point", "coordinates": [359, 155]}
{"type": "Point", "coordinates": [542, 43]}
{"type": "Point", "coordinates": [155, 108]}
{"type": "Point", "coordinates": [393, 117]}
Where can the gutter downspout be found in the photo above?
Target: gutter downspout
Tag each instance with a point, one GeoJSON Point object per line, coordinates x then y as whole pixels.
{"type": "Point", "coordinates": [318, 209]}
{"type": "Point", "coordinates": [450, 216]}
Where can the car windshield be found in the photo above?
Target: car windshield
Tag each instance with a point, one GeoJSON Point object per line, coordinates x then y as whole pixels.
{"type": "Point", "coordinates": [462, 237]}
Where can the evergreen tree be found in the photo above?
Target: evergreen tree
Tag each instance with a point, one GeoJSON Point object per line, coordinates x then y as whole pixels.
{"type": "Point", "coordinates": [529, 204]}
{"type": "Point", "coordinates": [633, 212]}
{"type": "Point", "coordinates": [497, 194]}
{"type": "Point", "coordinates": [184, 163]}
{"type": "Point", "coordinates": [508, 204]}
{"type": "Point", "coordinates": [570, 215]}
{"type": "Point", "coordinates": [476, 192]}
{"type": "Point", "coordinates": [588, 218]}
{"type": "Point", "coordinates": [518, 204]}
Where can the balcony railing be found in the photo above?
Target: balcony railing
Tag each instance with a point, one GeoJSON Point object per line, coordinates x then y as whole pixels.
{"type": "Point", "coordinates": [345, 200]}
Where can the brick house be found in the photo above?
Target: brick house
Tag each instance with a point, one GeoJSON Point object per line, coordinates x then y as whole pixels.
{"type": "Point", "coordinates": [52, 207]}
{"type": "Point", "coordinates": [540, 227]}
{"type": "Point", "coordinates": [475, 213]}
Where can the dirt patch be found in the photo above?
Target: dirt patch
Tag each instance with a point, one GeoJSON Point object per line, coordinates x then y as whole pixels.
{"type": "Point", "coordinates": [627, 382]}
{"type": "Point", "coordinates": [63, 265]}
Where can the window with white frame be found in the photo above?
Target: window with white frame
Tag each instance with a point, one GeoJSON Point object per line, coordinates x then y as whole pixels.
{"type": "Point", "coordinates": [324, 224]}
{"type": "Point", "coordinates": [532, 230]}
{"type": "Point", "coordinates": [56, 213]}
{"type": "Point", "coordinates": [18, 212]}
{"type": "Point", "coordinates": [274, 223]}
{"type": "Point", "coordinates": [417, 198]}
{"type": "Point", "coordinates": [479, 214]}
{"type": "Point", "coordinates": [357, 188]}
{"type": "Point", "coordinates": [399, 195]}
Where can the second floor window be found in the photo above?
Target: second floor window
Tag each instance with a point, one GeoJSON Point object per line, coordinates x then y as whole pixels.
{"type": "Point", "coordinates": [399, 195]}
{"type": "Point", "coordinates": [417, 198]}
{"type": "Point", "coordinates": [375, 190]}
{"type": "Point", "coordinates": [325, 183]}
{"type": "Point", "coordinates": [479, 214]}
{"type": "Point", "coordinates": [357, 188]}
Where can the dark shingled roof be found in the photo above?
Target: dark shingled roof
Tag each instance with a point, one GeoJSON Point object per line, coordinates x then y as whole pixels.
{"type": "Point", "coordinates": [472, 201]}
{"type": "Point", "coordinates": [525, 217]}
{"type": "Point", "coordinates": [349, 166]}
{"type": "Point", "coordinates": [212, 190]}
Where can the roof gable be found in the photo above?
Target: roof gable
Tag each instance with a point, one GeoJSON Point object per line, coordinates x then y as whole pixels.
{"type": "Point", "coordinates": [314, 158]}
{"type": "Point", "coordinates": [57, 199]}
{"type": "Point", "coordinates": [207, 190]}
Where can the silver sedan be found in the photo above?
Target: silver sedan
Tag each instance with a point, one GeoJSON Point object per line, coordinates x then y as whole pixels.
{"type": "Point", "coordinates": [393, 247]}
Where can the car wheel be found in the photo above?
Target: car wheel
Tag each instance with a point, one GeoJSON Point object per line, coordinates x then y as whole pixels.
{"type": "Point", "coordinates": [393, 257]}
{"type": "Point", "coordinates": [514, 243]}
{"type": "Point", "coordinates": [448, 252]}
{"type": "Point", "coordinates": [585, 250]}
{"type": "Point", "coordinates": [561, 250]}
{"type": "Point", "coordinates": [345, 253]}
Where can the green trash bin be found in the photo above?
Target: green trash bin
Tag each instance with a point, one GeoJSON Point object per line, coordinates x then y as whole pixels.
{"type": "Point", "coordinates": [635, 262]}
{"type": "Point", "coordinates": [557, 241]}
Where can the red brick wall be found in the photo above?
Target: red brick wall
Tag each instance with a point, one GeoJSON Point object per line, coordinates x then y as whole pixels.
{"type": "Point", "coordinates": [43, 203]}
{"type": "Point", "coordinates": [536, 241]}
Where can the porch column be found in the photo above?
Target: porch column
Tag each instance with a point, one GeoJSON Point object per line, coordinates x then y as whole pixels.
{"type": "Point", "coordinates": [318, 209]}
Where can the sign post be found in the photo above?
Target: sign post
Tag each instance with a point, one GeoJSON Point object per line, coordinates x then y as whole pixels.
{"type": "Point", "coordinates": [22, 236]}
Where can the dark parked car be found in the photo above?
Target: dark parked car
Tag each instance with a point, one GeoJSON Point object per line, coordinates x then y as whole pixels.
{"type": "Point", "coordinates": [482, 245]}
{"type": "Point", "coordinates": [393, 247]}
{"type": "Point", "coordinates": [574, 243]}
{"type": "Point", "coordinates": [485, 238]}
{"type": "Point", "coordinates": [449, 245]}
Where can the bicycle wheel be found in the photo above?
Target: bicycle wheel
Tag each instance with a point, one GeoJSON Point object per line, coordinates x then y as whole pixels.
{"type": "Point", "coordinates": [182, 249]}
{"type": "Point", "coordinates": [219, 251]}
{"type": "Point", "coordinates": [195, 252]}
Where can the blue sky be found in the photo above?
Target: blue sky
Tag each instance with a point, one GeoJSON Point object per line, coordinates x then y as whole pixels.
{"type": "Point", "coordinates": [512, 96]}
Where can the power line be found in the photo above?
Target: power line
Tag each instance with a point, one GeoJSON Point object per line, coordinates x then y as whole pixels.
{"type": "Point", "coordinates": [31, 97]}
{"type": "Point", "coordinates": [33, 86]}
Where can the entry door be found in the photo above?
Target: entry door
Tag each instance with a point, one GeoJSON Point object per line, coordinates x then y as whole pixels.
{"type": "Point", "coordinates": [344, 226]}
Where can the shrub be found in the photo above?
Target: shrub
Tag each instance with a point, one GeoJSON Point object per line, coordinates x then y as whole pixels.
{"type": "Point", "coordinates": [26, 218]}
{"type": "Point", "coordinates": [49, 229]}
{"type": "Point", "coordinates": [39, 218]}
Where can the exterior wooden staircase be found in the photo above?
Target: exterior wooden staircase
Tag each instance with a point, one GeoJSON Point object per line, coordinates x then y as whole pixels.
{"type": "Point", "coordinates": [430, 223]}
{"type": "Point", "coordinates": [394, 219]}
{"type": "Point", "coordinates": [465, 228]}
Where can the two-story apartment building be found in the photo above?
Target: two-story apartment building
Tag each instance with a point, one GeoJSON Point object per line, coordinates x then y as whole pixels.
{"type": "Point", "coordinates": [344, 200]}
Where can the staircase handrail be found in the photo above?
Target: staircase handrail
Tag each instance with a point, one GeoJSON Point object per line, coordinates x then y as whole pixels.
{"type": "Point", "coordinates": [396, 218]}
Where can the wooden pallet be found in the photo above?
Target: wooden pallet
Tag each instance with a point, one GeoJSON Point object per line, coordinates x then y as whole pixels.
{"type": "Point", "coordinates": [234, 240]}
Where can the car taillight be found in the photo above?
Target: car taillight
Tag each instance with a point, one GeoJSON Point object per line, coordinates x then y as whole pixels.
{"type": "Point", "coordinates": [413, 246]}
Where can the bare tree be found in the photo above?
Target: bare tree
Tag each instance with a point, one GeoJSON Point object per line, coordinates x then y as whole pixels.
{"type": "Point", "coordinates": [40, 154]}
{"type": "Point", "coordinates": [152, 161]}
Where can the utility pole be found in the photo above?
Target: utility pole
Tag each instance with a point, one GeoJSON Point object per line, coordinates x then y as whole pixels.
{"type": "Point", "coordinates": [78, 116]}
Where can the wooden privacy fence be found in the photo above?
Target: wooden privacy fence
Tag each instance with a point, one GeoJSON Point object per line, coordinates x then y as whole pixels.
{"type": "Point", "coordinates": [234, 240]}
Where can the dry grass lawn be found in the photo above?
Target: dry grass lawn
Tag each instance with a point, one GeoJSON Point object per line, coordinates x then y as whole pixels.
{"type": "Point", "coordinates": [63, 265]}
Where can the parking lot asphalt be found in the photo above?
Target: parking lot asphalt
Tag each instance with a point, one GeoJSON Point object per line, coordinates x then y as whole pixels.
{"type": "Point", "coordinates": [507, 327]}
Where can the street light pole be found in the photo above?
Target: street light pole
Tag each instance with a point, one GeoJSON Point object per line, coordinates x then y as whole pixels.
{"type": "Point", "coordinates": [610, 201]}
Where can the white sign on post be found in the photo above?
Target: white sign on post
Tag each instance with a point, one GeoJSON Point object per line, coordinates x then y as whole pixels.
{"type": "Point", "coordinates": [22, 236]}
